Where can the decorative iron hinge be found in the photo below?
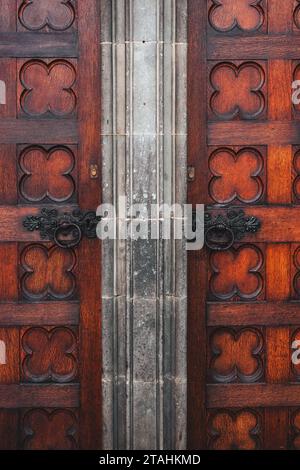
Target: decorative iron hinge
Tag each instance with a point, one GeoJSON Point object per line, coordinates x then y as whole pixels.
{"type": "Point", "coordinates": [223, 230]}
{"type": "Point", "coordinates": [66, 229]}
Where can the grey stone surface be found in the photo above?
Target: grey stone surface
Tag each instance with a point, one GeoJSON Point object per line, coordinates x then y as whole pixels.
{"type": "Point", "coordinates": [144, 281]}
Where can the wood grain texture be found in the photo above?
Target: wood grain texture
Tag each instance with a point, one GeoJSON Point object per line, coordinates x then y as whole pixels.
{"type": "Point", "coordinates": [54, 313]}
{"type": "Point", "coordinates": [11, 222]}
{"type": "Point", "coordinates": [278, 348]}
{"type": "Point", "coordinates": [253, 133]}
{"type": "Point", "coordinates": [279, 46]}
{"type": "Point", "coordinates": [197, 191]}
{"type": "Point", "coordinates": [50, 315]}
{"type": "Point", "coordinates": [253, 395]}
{"type": "Point", "coordinates": [19, 131]}
{"type": "Point", "coordinates": [30, 45]}
{"type": "Point", "coordinates": [8, 16]}
{"type": "Point", "coordinates": [89, 252]}
{"type": "Point", "coordinates": [259, 313]}
{"type": "Point", "coordinates": [26, 395]}
{"type": "Point", "coordinates": [278, 223]}
{"type": "Point", "coordinates": [244, 314]}
{"type": "Point", "coordinates": [279, 171]}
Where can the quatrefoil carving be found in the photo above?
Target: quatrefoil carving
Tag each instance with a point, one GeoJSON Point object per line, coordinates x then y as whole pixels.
{"type": "Point", "coordinates": [50, 355]}
{"type": "Point", "coordinates": [247, 15]}
{"type": "Point", "coordinates": [237, 90]}
{"type": "Point", "coordinates": [45, 430]}
{"type": "Point", "coordinates": [236, 355]}
{"type": "Point", "coordinates": [57, 15]}
{"type": "Point", "coordinates": [236, 175]}
{"type": "Point", "coordinates": [48, 88]}
{"type": "Point", "coordinates": [230, 430]}
{"type": "Point", "coordinates": [47, 174]}
{"type": "Point", "coordinates": [48, 272]}
{"type": "Point", "coordinates": [236, 273]}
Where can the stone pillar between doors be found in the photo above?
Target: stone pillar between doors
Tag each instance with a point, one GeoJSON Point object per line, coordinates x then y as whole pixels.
{"type": "Point", "coordinates": [143, 68]}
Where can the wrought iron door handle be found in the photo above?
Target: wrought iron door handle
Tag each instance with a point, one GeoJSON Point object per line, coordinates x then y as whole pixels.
{"type": "Point", "coordinates": [223, 230]}
{"type": "Point", "coordinates": [66, 229]}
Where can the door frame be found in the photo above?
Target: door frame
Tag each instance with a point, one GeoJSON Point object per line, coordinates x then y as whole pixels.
{"type": "Point", "coordinates": [197, 194]}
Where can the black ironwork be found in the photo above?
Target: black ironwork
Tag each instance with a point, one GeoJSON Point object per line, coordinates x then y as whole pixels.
{"type": "Point", "coordinates": [223, 230]}
{"type": "Point", "coordinates": [66, 229]}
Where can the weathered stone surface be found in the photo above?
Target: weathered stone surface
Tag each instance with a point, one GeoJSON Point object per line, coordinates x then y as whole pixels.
{"type": "Point", "coordinates": [144, 282]}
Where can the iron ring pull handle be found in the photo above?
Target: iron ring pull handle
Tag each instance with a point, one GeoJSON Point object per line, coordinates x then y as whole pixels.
{"type": "Point", "coordinates": [66, 229]}
{"type": "Point", "coordinates": [221, 231]}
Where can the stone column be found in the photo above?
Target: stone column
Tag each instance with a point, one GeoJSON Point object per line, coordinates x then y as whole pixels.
{"type": "Point", "coordinates": [144, 281]}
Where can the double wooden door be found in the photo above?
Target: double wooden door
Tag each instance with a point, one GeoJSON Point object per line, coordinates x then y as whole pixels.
{"type": "Point", "coordinates": [49, 290]}
{"type": "Point", "coordinates": [244, 298]}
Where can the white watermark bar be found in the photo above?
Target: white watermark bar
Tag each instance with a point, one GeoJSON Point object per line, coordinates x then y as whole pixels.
{"type": "Point", "coordinates": [144, 222]}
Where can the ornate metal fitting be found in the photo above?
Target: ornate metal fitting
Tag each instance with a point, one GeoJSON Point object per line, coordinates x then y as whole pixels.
{"type": "Point", "coordinates": [223, 230]}
{"type": "Point", "coordinates": [66, 229]}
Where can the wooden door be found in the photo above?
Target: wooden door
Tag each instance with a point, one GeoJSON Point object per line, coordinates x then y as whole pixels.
{"type": "Point", "coordinates": [49, 295]}
{"type": "Point", "coordinates": [244, 302]}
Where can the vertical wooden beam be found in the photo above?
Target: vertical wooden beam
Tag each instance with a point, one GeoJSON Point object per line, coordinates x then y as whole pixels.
{"type": "Point", "coordinates": [279, 161]}
{"type": "Point", "coordinates": [278, 269]}
{"type": "Point", "coordinates": [8, 16]}
{"type": "Point", "coordinates": [278, 353]}
{"type": "Point", "coordinates": [197, 194]}
{"type": "Point", "coordinates": [89, 253]}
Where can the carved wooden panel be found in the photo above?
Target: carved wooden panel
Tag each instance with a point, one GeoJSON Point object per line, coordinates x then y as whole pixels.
{"type": "Point", "coordinates": [50, 430]}
{"type": "Point", "coordinates": [50, 119]}
{"type": "Point", "coordinates": [47, 88]}
{"type": "Point", "coordinates": [245, 151]}
{"type": "Point", "coordinates": [234, 430]}
{"type": "Point", "coordinates": [237, 273]}
{"type": "Point", "coordinates": [237, 90]}
{"type": "Point", "coordinates": [240, 15]}
{"type": "Point", "coordinates": [237, 175]}
{"type": "Point", "coordinates": [47, 272]}
{"type": "Point", "coordinates": [46, 15]}
{"type": "Point", "coordinates": [236, 355]}
{"type": "Point", "coordinates": [47, 174]}
{"type": "Point", "coordinates": [49, 354]}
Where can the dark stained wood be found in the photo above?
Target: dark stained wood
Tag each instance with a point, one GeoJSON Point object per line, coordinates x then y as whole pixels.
{"type": "Point", "coordinates": [11, 222]}
{"type": "Point", "coordinates": [280, 46]}
{"type": "Point", "coordinates": [33, 45]}
{"type": "Point", "coordinates": [243, 302]}
{"type": "Point", "coordinates": [10, 371]}
{"type": "Point", "coordinates": [8, 16]}
{"type": "Point", "coordinates": [254, 133]}
{"type": "Point", "coordinates": [19, 131]}
{"type": "Point", "coordinates": [50, 297]}
{"type": "Point", "coordinates": [256, 395]}
{"type": "Point", "coordinates": [89, 252]}
{"type": "Point", "coordinates": [196, 193]}
{"type": "Point", "coordinates": [258, 313]}
{"type": "Point", "coordinates": [9, 425]}
{"type": "Point", "coordinates": [278, 223]}
{"type": "Point", "coordinates": [26, 395]}
{"type": "Point", "coordinates": [54, 313]}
